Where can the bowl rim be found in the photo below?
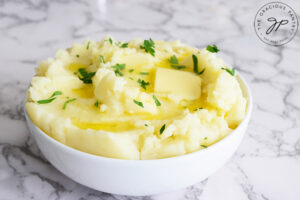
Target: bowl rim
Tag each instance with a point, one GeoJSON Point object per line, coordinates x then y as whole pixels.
{"type": "Point", "coordinates": [175, 158]}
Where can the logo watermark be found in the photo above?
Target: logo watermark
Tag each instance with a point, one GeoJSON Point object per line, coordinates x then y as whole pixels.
{"type": "Point", "coordinates": [276, 23]}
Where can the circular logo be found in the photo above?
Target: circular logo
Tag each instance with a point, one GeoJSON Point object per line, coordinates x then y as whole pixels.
{"type": "Point", "coordinates": [276, 23]}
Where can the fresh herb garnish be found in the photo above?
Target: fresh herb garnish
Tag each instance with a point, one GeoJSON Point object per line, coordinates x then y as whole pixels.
{"type": "Point", "coordinates": [174, 63]}
{"type": "Point", "coordinates": [149, 46]}
{"type": "Point", "coordinates": [96, 103]}
{"type": "Point", "coordinates": [124, 45]}
{"type": "Point", "coordinates": [68, 101]}
{"type": "Point", "coordinates": [51, 98]}
{"type": "Point", "coordinates": [212, 49]}
{"type": "Point", "coordinates": [157, 102]}
{"type": "Point", "coordinates": [131, 70]}
{"type": "Point", "coordinates": [77, 56]}
{"type": "Point", "coordinates": [138, 103]}
{"type": "Point", "coordinates": [231, 72]}
{"type": "Point", "coordinates": [205, 138]}
{"type": "Point", "coordinates": [195, 61]}
{"type": "Point", "coordinates": [118, 68]}
{"type": "Point", "coordinates": [143, 83]}
{"type": "Point", "coordinates": [144, 73]}
{"type": "Point", "coordinates": [173, 60]}
{"type": "Point", "coordinates": [110, 41]}
{"type": "Point", "coordinates": [162, 129]}
{"type": "Point", "coordinates": [85, 76]}
{"type": "Point", "coordinates": [130, 78]}
{"type": "Point", "coordinates": [101, 58]}
{"type": "Point", "coordinates": [203, 146]}
{"type": "Point", "coordinates": [88, 45]}
{"type": "Point", "coordinates": [146, 124]}
{"type": "Point", "coordinates": [178, 66]}
{"type": "Point", "coordinates": [198, 109]}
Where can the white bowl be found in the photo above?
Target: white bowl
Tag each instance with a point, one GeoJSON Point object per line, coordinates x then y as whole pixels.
{"type": "Point", "coordinates": [141, 177]}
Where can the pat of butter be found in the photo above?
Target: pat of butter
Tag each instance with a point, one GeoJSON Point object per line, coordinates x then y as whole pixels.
{"type": "Point", "coordinates": [181, 83]}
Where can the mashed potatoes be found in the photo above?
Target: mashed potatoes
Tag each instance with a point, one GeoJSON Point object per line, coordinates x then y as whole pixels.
{"type": "Point", "coordinates": [138, 100]}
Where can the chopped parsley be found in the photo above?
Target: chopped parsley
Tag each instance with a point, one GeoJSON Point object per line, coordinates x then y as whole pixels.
{"type": "Point", "coordinates": [212, 49]}
{"type": "Point", "coordinates": [51, 98]}
{"type": "Point", "coordinates": [205, 138]}
{"type": "Point", "coordinates": [146, 124]}
{"type": "Point", "coordinates": [198, 109]}
{"type": "Point", "coordinates": [77, 56]}
{"type": "Point", "coordinates": [149, 46]}
{"type": "Point", "coordinates": [124, 45]}
{"type": "Point", "coordinates": [130, 78]}
{"type": "Point", "coordinates": [88, 45]}
{"type": "Point", "coordinates": [86, 77]}
{"type": "Point", "coordinates": [101, 58]}
{"type": "Point", "coordinates": [173, 60]}
{"type": "Point", "coordinates": [195, 61]}
{"type": "Point", "coordinates": [68, 101]}
{"type": "Point", "coordinates": [231, 72]}
{"type": "Point", "coordinates": [131, 70]}
{"type": "Point", "coordinates": [144, 73]}
{"type": "Point", "coordinates": [96, 103]}
{"type": "Point", "coordinates": [204, 146]}
{"type": "Point", "coordinates": [174, 63]}
{"type": "Point", "coordinates": [162, 129]}
{"type": "Point", "coordinates": [138, 103]}
{"type": "Point", "coordinates": [157, 102]}
{"type": "Point", "coordinates": [110, 41]}
{"type": "Point", "coordinates": [143, 83]}
{"type": "Point", "coordinates": [118, 68]}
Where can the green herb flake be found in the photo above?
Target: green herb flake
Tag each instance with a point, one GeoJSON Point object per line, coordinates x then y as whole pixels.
{"type": "Point", "coordinates": [130, 78]}
{"type": "Point", "coordinates": [66, 103]}
{"type": "Point", "coordinates": [162, 129]}
{"type": "Point", "coordinates": [231, 72]}
{"type": "Point", "coordinates": [77, 56]}
{"type": "Point", "coordinates": [146, 124]}
{"type": "Point", "coordinates": [86, 77]}
{"type": "Point", "coordinates": [157, 102]}
{"type": "Point", "coordinates": [131, 70]}
{"type": "Point", "coordinates": [51, 98]}
{"type": "Point", "coordinates": [118, 68]}
{"type": "Point", "coordinates": [178, 66]}
{"type": "Point", "coordinates": [101, 58]}
{"type": "Point", "coordinates": [118, 72]}
{"type": "Point", "coordinates": [195, 61]}
{"type": "Point", "coordinates": [88, 45]}
{"type": "Point", "coordinates": [204, 146]}
{"type": "Point", "coordinates": [97, 103]}
{"type": "Point", "coordinates": [202, 71]}
{"type": "Point", "coordinates": [173, 60]}
{"type": "Point", "coordinates": [149, 46]}
{"type": "Point", "coordinates": [143, 83]}
{"type": "Point", "coordinates": [205, 138]}
{"type": "Point", "coordinates": [124, 45]}
{"type": "Point", "coordinates": [144, 73]}
{"type": "Point", "coordinates": [212, 49]}
{"type": "Point", "coordinates": [138, 103]}
{"type": "Point", "coordinates": [110, 41]}
{"type": "Point", "coordinates": [198, 109]}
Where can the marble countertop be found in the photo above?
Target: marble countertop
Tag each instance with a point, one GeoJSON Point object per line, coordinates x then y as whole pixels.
{"type": "Point", "coordinates": [267, 163]}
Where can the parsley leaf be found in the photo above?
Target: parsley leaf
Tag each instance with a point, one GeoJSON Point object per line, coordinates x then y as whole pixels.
{"type": "Point", "coordinates": [212, 49]}
{"type": "Point", "coordinates": [143, 83]}
{"type": "Point", "coordinates": [195, 61]}
{"type": "Point", "coordinates": [50, 99]}
{"type": "Point", "coordinates": [110, 41]}
{"type": "Point", "coordinates": [231, 72]}
{"type": "Point", "coordinates": [85, 76]}
{"type": "Point", "coordinates": [144, 73]}
{"type": "Point", "coordinates": [96, 103]}
{"type": "Point", "coordinates": [146, 124]}
{"type": "Point", "coordinates": [124, 45]}
{"type": "Point", "coordinates": [119, 67]}
{"type": "Point", "coordinates": [178, 66]}
{"type": "Point", "coordinates": [101, 58]}
{"type": "Point", "coordinates": [138, 103]}
{"type": "Point", "coordinates": [131, 70]}
{"type": "Point", "coordinates": [66, 103]}
{"type": "Point", "coordinates": [157, 102]}
{"type": "Point", "coordinates": [77, 56]}
{"type": "Point", "coordinates": [173, 60]}
{"type": "Point", "coordinates": [162, 129]}
{"type": "Point", "coordinates": [204, 146]}
{"type": "Point", "coordinates": [198, 109]}
{"type": "Point", "coordinates": [149, 46]}
{"type": "Point", "coordinates": [88, 45]}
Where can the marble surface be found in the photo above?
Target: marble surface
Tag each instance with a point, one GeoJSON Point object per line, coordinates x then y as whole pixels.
{"type": "Point", "coordinates": [267, 163]}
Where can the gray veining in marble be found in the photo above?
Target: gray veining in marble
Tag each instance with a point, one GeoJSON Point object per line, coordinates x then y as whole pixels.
{"type": "Point", "coordinates": [267, 163]}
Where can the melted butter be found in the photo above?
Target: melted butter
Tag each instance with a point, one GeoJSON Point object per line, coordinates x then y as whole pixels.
{"type": "Point", "coordinates": [86, 91]}
{"type": "Point", "coordinates": [105, 126]}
